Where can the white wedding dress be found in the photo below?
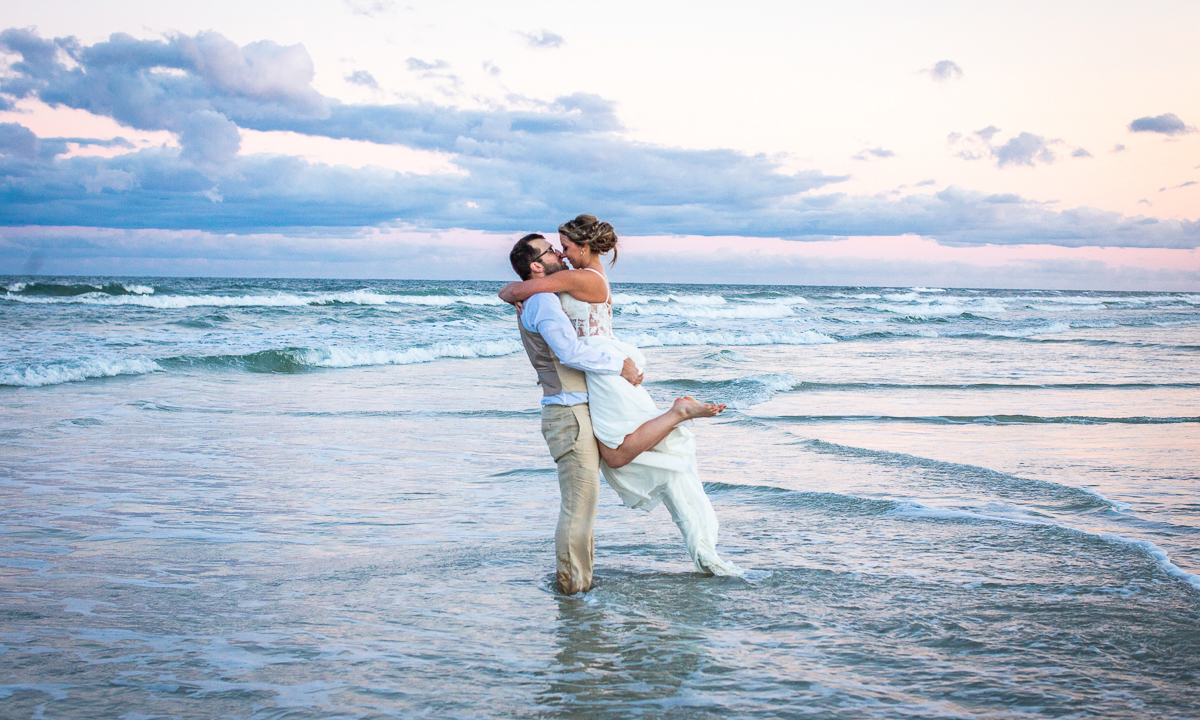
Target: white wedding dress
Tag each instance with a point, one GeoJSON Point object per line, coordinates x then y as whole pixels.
{"type": "Point", "coordinates": [667, 472]}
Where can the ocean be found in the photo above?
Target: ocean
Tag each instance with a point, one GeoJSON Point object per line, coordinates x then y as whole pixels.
{"type": "Point", "coordinates": [331, 499]}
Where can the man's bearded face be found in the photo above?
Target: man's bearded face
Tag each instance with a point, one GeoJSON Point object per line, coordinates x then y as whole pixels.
{"type": "Point", "coordinates": [552, 262]}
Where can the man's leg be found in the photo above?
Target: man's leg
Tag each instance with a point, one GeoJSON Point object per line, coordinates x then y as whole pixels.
{"type": "Point", "coordinates": [568, 433]}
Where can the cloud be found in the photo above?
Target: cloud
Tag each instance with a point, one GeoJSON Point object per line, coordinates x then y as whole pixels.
{"type": "Point", "coordinates": [923, 183]}
{"type": "Point", "coordinates": [976, 146]}
{"type": "Point", "coordinates": [418, 65]}
{"type": "Point", "coordinates": [987, 133]}
{"type": "Point", "coordinates": [491, 69]}
{"type": "Point", "coordinates": [18, 141]}
{"type": "Point", "coordinates": [877, 152]}
{"type": "Point", "coordinates": [545, 39]}
{"type": "Point", "coordinates": [109, 179]}
{"type": "Point", "coordinates": [521, 169]}
{"type": "Point", "coordinates": [157, 84]}
{"type": "Point", "coordinates": [1118, 149]}
{"type": "Point", "coordinates": [1080, 152]}
{"type": "Point", "coordinates": [370, 8]}
{"type": "Point", "coordinates": [944, 71]}
{"type": "Point", "coordinates": [436, 70]}
{"type": "Point", "coordinates": [364, 78]}
{"type": "Point", "coordinates": [1023, 149]}
{"type": "Point", "coordinates": [1168, 124]}
{"type": "Point", "coordinates": [1189, 183]}
{"type": "Point", "coordinates": [51, 147]}
{"type": "Point", "coordinates": [209, 139]}
{"type": "Point", "coordinates": [1007, 198]}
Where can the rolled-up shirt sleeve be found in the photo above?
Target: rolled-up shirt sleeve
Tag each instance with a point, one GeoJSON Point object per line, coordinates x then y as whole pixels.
{"type": "Point", "coordinates": [544, 315]}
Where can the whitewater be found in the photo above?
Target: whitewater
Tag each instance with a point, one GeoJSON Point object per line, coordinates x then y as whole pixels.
{"type": "Point", "coordinates": [331, 498]}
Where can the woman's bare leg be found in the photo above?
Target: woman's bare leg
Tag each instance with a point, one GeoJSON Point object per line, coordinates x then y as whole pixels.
{"type": "Point", "coordinates": [652, 432]}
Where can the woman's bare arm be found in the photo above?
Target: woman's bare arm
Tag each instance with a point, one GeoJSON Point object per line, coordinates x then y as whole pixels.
{"type": "Point", "coordinates": [583, 285]}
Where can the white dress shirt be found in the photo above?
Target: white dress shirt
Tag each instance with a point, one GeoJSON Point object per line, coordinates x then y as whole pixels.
{"type": "Point", "coordinates": [543, 314]}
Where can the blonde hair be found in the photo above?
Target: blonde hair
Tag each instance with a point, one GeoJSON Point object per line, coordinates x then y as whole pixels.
{"type": "Point", "coordinates": [599, 237]}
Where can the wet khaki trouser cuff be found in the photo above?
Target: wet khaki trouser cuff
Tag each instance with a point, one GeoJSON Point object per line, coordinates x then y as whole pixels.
{"type": "Point", "coordinates": [568, 433]}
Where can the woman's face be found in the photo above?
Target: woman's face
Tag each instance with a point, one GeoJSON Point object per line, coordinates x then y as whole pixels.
{"type": "Point", "coordinates": [575, 254]}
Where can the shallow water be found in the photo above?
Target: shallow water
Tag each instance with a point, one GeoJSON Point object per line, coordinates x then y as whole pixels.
{"type": "Point", "coordinates": [337, 509]}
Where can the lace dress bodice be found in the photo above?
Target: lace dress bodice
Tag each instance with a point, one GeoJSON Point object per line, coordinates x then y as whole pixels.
{"type": "Point", "coordinates": [589, 319]}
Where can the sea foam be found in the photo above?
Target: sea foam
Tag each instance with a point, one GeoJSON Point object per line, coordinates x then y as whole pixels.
{"type": "Point", "coordinates": [40, 374]}
{"type": "Point", "coordinates": [342, 357]}
{"type": "Point", "coordinates": [355, 297]}
{"type": "Point", "coordinates": [759, 312]}
{"type": "Point", "coordinates": [676, 338]}
{"type": "Point", "coordinates": [621, 298]}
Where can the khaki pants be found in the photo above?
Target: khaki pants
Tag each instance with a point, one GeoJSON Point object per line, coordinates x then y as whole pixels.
{"type": "Point", "coordinates": [568, 433]}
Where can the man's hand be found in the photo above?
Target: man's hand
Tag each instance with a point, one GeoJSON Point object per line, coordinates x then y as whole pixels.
{"type": "Point", "coordinates": [630, 372]}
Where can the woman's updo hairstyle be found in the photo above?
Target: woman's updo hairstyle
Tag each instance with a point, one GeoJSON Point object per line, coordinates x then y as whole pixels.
{"type": "Point", "coordinates": [587, 230]}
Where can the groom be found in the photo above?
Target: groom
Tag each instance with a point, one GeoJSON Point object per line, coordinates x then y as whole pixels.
{"type": "Point", "coordinates": [560, 359]}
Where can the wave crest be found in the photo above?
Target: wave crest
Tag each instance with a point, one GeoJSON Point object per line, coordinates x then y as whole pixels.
{"type": "Point", "coordinates": [299, 359]}
{"type": "Point", "coordinates": [759, 312]}
{"type": "Point", "coordinates": [71, 290]}
{"type": "Point", "coordinates": [672, 338]}
{"type": "Point", "coordinates": [41, 374]}
{"type": "Point", "coordinates": [92, 296]}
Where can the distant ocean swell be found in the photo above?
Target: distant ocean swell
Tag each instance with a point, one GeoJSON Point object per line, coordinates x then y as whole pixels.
{"type": "Point", "coordinates": [23, 289]}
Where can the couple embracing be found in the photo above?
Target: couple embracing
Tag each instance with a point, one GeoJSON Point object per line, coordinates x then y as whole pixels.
{"type": "Point", "coordinates": [595, 414]}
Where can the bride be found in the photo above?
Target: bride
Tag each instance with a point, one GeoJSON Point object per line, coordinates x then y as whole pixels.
{"type": "Point", "coordinates": [644, 454]}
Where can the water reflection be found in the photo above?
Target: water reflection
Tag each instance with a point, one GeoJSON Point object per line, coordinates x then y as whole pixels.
{"type": "Point", "coordinates": [630, 645]}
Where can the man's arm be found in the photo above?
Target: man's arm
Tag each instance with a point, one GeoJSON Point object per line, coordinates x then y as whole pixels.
{"type": "Point", "coordinates": [544, 315]}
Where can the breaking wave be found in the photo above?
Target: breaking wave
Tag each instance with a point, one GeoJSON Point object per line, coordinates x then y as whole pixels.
{"type": "Point", "coordinates": [297, 359]}
{"type": "Point", "coordinates": [673, 338]}
{"type": "Point", "coordinates": [354, 297]}
{"type": "Point", "coordinates": [757, 312]}
{"type": "Point", "coordinates": [56, 373]}
{"type": "Point", "coordinates": [60, 290]}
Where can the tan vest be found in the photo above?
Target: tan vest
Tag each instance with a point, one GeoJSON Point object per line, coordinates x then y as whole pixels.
{"type": "Point", "coordinates": [553, 376]}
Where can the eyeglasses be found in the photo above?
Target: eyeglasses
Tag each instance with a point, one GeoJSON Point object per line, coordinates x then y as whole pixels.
{"type": "Point", "coordinates": [547, 250]}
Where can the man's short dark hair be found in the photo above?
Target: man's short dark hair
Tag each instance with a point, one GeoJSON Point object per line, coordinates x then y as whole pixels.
{"type": "Point", "coordinates": [523, 253]}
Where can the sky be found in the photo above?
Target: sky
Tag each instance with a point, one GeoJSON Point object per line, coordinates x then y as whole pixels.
{"type": "Point", "coordinates": [985, 144]}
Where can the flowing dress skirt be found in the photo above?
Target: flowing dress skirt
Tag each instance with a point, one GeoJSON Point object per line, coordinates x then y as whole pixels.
{"type": "Point", "coordinates": [666, 473]}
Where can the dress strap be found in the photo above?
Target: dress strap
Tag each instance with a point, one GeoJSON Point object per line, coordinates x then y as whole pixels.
{"type": "Point", "coordinates": [607, 287]}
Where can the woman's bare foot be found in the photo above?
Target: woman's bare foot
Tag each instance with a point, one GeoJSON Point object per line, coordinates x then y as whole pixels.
{"type": "Point", "coordinates": [692, 408]}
